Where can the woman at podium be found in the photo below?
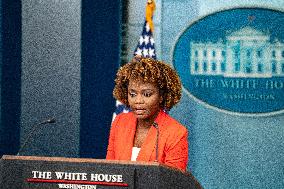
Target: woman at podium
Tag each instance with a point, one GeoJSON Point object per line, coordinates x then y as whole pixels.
{"type": "Point", "coordinates": [150, 88]}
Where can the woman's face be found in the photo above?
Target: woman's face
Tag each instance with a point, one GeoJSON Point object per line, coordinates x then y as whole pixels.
{"type": "Point", "coordinates": [144, 99]}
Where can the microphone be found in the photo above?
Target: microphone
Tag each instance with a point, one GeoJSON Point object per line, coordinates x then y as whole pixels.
{"type": "Point", "coordinates": [155, 124]}
{"type": "Point", "coordinates": [47, 121]}
{"type": "Point", "coordinates": [50, 120]}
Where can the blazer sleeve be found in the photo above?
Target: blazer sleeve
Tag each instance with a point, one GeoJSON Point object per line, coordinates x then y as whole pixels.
{"type": "Point", "coordinates": [176, 154]}
{"type": "Point", "coordinates": [111, 141]}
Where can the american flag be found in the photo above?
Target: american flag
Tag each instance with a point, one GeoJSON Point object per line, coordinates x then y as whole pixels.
{"type": "Point", "coordinates": [146, 44]}
{"type": "Point", "coordinates": [119, 109]}
{"type": "Point", "coordinates": [145, 48]}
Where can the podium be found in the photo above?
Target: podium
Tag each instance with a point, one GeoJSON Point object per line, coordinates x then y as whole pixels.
{"type": "Point", "coordinates": [30, 172]}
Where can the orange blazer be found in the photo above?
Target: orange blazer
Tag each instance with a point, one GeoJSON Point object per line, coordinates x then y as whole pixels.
{"type": "Point", "coordinates": [173, 141]}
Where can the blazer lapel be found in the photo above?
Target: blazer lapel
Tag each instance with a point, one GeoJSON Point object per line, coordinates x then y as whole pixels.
{"type": "Point", "coordinates": [128, 138]}
{"type": "Point", "coordinates": [149, 145]}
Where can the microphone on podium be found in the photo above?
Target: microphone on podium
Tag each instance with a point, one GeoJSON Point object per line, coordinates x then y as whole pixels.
{"type": "Point", "coordinates": [47, 121]}
{"type": "Point", "coordinates": [155, 124]}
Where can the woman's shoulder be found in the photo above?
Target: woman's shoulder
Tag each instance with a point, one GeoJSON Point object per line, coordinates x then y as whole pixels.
{"type": "Point", "coordinates": [172, 124]}
{"type": "Point", "coordinates": [123, 118]}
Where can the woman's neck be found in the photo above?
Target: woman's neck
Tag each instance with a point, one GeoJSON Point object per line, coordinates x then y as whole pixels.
{"type": "Point", "coordinates": [146, 123]}
{"type": "Point", "coordinates": [143, 124]}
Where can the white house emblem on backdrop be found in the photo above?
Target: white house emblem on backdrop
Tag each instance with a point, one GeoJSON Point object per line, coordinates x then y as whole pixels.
{"type": "Point", "coordinates": [245, 53]}
{"type": "Point", "coordinates": [234, 65]}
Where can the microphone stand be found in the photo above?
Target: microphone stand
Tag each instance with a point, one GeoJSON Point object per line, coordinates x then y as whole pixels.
{"type": "Point", "coordinates": [51, 120]}
{"type": "Point", "coordinates": [157, 140]}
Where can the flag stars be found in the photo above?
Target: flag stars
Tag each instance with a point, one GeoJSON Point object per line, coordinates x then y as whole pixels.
{"type": "Point", "coordinates": [138, 52]}
{"type": "Point", "coordinates": [141, 40]}
{"type": "Point", "coordinates": [151, 52]}
{"type": "Point", "coordinates": [152, 40]}
{"type": "Point", "coordinates": [146, 39]}
{"type": "Point", "coordinates": [145, 52]}
{"type": "Point", "coordinates": [146, 43]}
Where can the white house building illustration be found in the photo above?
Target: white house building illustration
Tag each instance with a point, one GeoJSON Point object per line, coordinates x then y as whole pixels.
{"type": "Point", "coordinates": [245, 53]}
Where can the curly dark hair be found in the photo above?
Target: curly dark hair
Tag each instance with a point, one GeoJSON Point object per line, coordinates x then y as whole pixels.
{"type": "Point", "coordinates": [152, 71]}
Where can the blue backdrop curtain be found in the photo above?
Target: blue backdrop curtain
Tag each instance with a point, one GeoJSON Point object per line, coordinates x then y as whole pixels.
{"type": "Point", "coordinates": [100, 60]}
{"type": "Point", "coordinates": [10, 67]}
